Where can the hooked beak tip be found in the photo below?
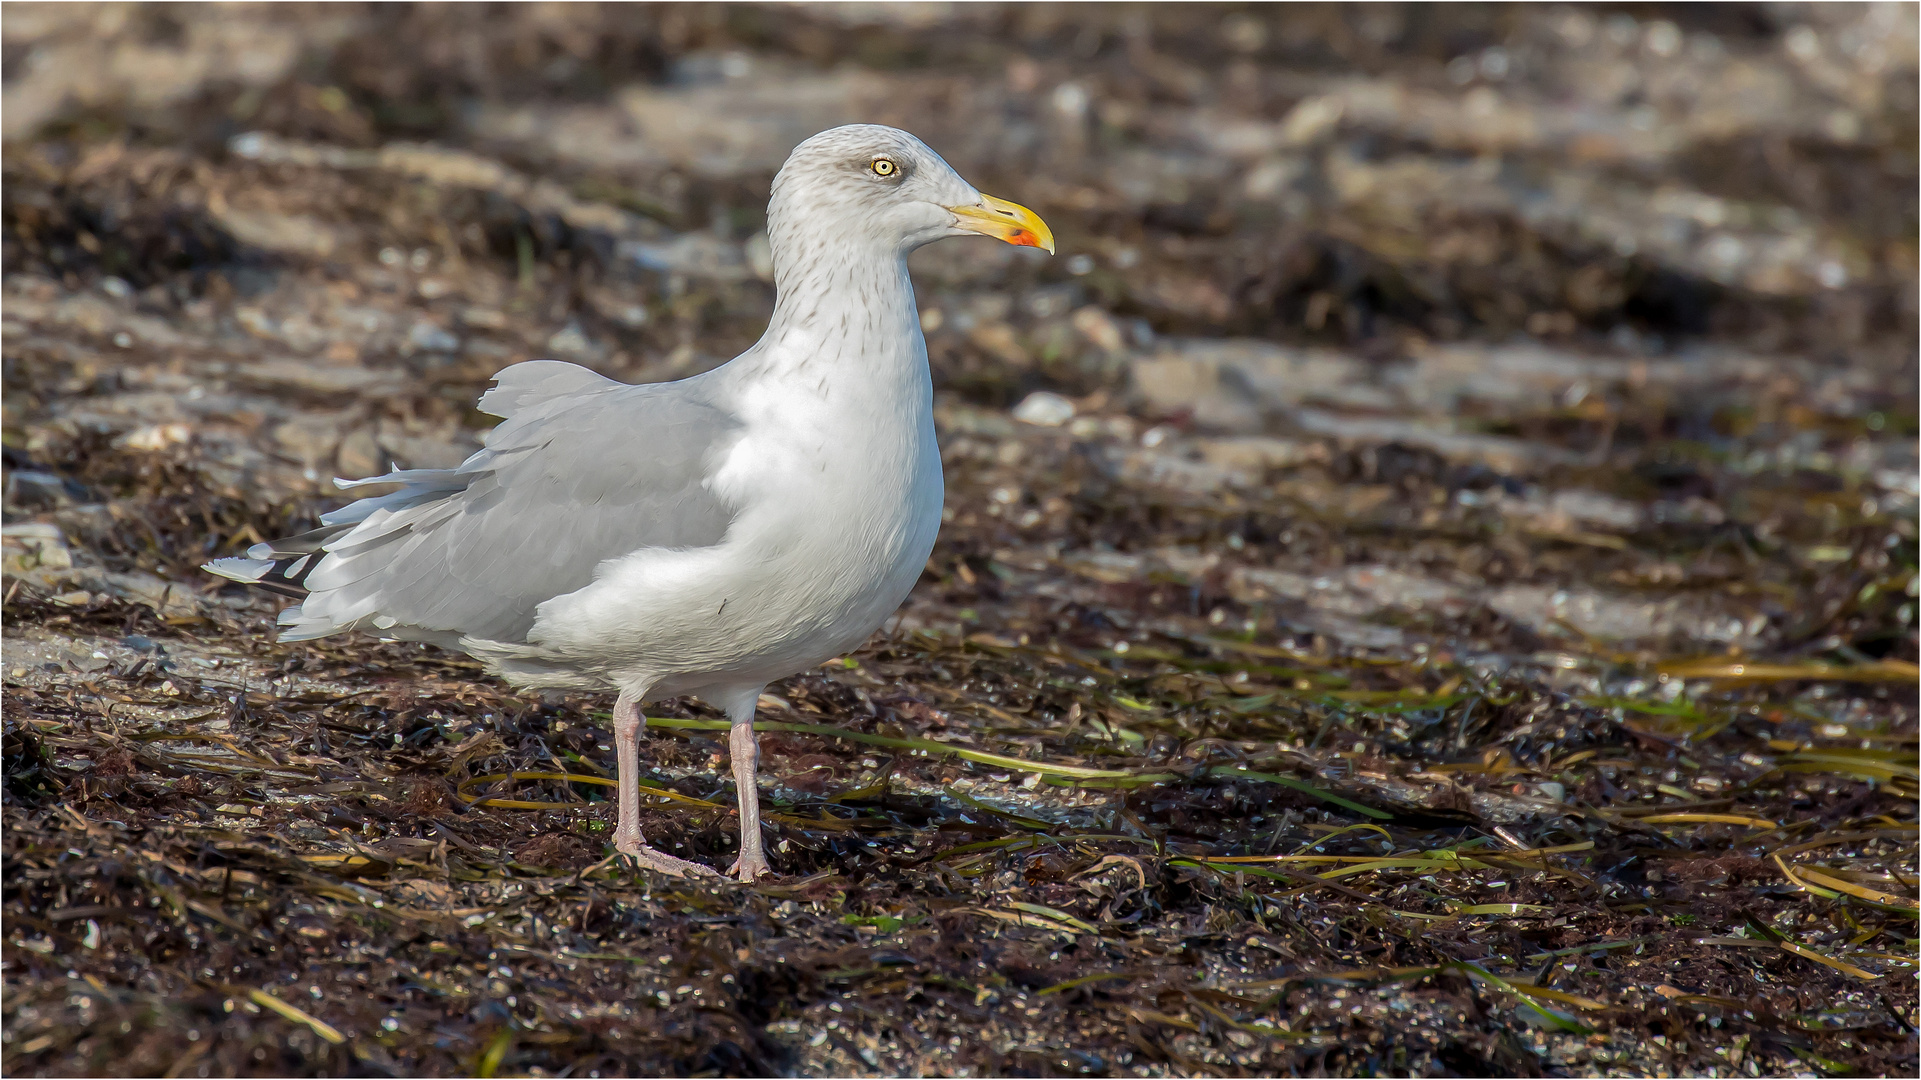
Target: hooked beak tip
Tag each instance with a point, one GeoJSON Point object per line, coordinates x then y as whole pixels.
{"type": "Point", "coordinates": [1007, 221]}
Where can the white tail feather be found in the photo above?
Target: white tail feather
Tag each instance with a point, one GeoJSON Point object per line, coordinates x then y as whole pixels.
{"type": "Point", "coordinates": [245, 571]}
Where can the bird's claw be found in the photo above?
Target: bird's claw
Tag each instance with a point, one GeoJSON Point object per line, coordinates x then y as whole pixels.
{"type": "Point", "coordinates": [641, 857]}
{"type": "Point", "coordinates": [747, 871]}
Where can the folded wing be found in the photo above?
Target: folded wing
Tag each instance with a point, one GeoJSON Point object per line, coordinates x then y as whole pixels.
{"type": "Point", "coordinates": [581, 470]}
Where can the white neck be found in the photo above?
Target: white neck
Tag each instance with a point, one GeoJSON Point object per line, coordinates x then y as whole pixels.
{"type": "Point", "coordinates": [840, 309]}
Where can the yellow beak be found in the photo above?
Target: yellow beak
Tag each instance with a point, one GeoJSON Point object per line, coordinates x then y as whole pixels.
{"type": "Point", "coordinates": [1007, 221]}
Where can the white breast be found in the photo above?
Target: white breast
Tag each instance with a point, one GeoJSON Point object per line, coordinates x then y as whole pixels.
{"type": "Point", "coordinates": [840, 489]}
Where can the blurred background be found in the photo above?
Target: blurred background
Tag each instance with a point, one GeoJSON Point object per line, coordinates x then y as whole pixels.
{"type": "Point", "coordinates": [1633, 179]}
{"type": "Point", "coordinates": [1626, 266]}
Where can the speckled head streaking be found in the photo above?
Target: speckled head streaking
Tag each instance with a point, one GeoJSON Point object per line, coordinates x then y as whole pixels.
{"type": "Point", "coordinates": [878, 190]}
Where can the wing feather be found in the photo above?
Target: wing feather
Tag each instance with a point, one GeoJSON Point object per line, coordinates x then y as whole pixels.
{"type": "Point", "coordinates": [581, 470]}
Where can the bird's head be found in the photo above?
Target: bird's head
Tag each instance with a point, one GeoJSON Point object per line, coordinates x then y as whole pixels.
{"type": "Point", "coordinates": [886, 190]}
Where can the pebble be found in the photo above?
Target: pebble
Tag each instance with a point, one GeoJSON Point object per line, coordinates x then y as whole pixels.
{"type": "Point", "coordinates": [1044, 409]}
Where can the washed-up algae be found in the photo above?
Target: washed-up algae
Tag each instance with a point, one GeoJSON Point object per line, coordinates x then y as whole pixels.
{"type": "Point", "coordinates": [1344, 684]}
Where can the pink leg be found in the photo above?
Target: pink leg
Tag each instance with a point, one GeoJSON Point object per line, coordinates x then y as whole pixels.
{"type": "Point", "coordinates": [628, 722]}
{"type": "Point", "coordinates": [744, 746]}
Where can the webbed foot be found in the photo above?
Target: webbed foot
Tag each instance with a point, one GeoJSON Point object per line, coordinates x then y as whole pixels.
{"type": "Point", "coordinates": [747, 869]}
{"type": "Point", "coordinates": [637, 855]}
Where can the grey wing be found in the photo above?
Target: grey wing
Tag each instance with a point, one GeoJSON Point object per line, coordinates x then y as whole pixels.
{"type": "Point", "coordinates": [571, 479]}
{"type": "Point", "coordinates": [531, 382]}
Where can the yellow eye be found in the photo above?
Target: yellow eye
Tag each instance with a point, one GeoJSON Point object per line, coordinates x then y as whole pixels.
{"type": "Point", "coordinates": [884, 167]}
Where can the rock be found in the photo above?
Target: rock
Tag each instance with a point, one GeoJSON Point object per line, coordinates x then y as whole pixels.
{"type": "Point", "coordinates": [451, 168]}
{"type": "Point", "coordinates": [1441, 792]}
{"type": "Point", "coordinates": [1043, 409]}
{"type": "Point", "coordinates": [360, 455]}
{"type": "Point", "coordinates": [91, 63]}
{"type": "Point", "coordinates": [953, 418]}
{"type": "Point", "coordinates": [283, 234]}
{"type": "Point", "coordinates": [745, 124]}
{"type": "Point", "coordinates": [1002, 341]}
{"type": "Point", "coordinates": [573, 343]}
{"type": "Point", "coordinates": [301, 334]}
{"type": "Point", "coordinates": [37, 553]}
{"type": "Point", "coordinates": [320, 378]}
{"type": "Point", "coordinates": [1527, 375]}
{"type": "Point", "coordinates": [155, 437]}
{"type": "Point", "coordinates": [1357, 591]}
{"type": "Point", "coordinates": [424, 451]}
{"type": "Point", "coordinates": [30, 488]}
{"type": "Point", "coordinates": [164, 597]}
{"type": "Point", "coordinates": [1236, 384]}
{"type": "Point", "coordinates": [695, 254]}
{"type": "Point", "coordinates": [1555, 612]}
{"type": "Point", "coordinates": [1693, 510]}
{"type": "Point", "coordinates": [87, 660]}
{"type": "Point", "coordinates": [1573, 511]}
{"type": "Point", "coordinates": [1502, 454]}
{"type": "Point", "coordinates": [426, 337]}
{"type": "Point", "coordinates": [34, 546]}
{"type": "Point", "coordinates": [256, 322]}
{"type": "Point", "coordinates": [1112, 567]}
{"type": "Point", "coordinates": [1187, 563]}
{"type": "Point", "coordinates": [1311, 120]}
{"type": "Point", "coordinates": [1351, 632]}
{"type": "Point", "coordinates": [1386, 587]}
{"type": "Point", "coordinates": [1254, 454]}
{"type": "Point", "coordinates": [96, 315]}
{"type": "Point", "coordinates": [1170, 466]}
{"type": "Point", "coordinates": [1100, 329]}
{"type": "Point", "coordinates": [90, 525]}
{"type": "Point", "coordinates": [1360, 593]}
{"type": "Point", "coordinates": [310, 439]}
{"type": "Point", "coordinates": [1252, 585]}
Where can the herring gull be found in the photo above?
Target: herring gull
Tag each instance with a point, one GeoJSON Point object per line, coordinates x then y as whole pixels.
{"type": "Point", "coordinates": [702, 537]}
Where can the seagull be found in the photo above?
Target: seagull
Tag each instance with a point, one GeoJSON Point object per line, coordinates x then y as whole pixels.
{"type": "Point", "coordinates": [695, 538]}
